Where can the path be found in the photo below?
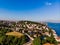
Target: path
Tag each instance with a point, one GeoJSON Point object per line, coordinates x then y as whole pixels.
{"type": "Point", "coordinates": [31, 40]}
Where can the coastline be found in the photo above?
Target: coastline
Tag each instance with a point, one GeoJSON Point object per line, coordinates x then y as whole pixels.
{"type": "Point", "coordinates": [54, 26]}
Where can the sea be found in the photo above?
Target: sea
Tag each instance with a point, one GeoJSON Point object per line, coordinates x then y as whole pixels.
{"type": "Point", "coordinates": [55, 26]}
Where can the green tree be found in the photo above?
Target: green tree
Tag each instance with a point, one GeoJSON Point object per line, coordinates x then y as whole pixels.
{"type": "Point", "coordinates": [37, 41]}
{"type": "Point", "coordinates": [23, 40]}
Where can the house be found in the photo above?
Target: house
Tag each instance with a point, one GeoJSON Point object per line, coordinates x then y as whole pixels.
{"type": "Point", "coordinates": [53, 31]}
{"type": "Point", "coordinates": [57, 39]}
{"type": "Point", "coordinates": [44, 27]}
{"type": "Point", "coordinates": [46, 33]}
{"type": "Point", "coordinates": [47, 29]}
{"type": "Point", "coordinates": [35, 35]}
{"type": "Point", "coordinates": [55, 35]}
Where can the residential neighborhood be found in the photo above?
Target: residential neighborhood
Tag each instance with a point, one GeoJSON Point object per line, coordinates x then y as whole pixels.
{"type": "Point", "coordinates": [31, 29]}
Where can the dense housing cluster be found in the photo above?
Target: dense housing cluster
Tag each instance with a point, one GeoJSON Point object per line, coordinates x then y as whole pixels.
{"type": "Point", "coordinates": [34, 33]}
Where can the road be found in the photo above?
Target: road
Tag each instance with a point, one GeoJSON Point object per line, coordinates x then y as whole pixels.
{"type": "Point", "coordinates": [31, 40]}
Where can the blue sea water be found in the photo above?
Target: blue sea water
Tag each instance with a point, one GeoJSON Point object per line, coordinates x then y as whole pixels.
{"type": "Point", "coordinates": [55, 26]}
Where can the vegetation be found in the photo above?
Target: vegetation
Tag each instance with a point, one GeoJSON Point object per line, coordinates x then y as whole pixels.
{"type": "Point", "coordinates": [16, 34]}
{"type": "Point", "coordinates": [37, 41]}
{"type": "Point", "coordinates": [10, 38]}
{"type": "Point", "coordinates": [51, 40]}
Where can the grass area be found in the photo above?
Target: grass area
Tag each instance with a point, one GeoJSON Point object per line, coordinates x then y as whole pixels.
{"type": "Point", "coordinates": [1, 38]}
{"type": "Point", "coordinates": [48, 44]}
{"type": "Point", "coordinates": [16, 34]}
{"type": "Point", "coordinates": [37, 41]}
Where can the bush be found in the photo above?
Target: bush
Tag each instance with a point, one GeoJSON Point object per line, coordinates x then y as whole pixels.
{"type": "Point", "coordinates": [37, 41]}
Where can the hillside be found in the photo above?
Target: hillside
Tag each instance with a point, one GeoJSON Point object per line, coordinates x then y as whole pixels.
{"type": "Point", "coordinates": [34, 33]}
